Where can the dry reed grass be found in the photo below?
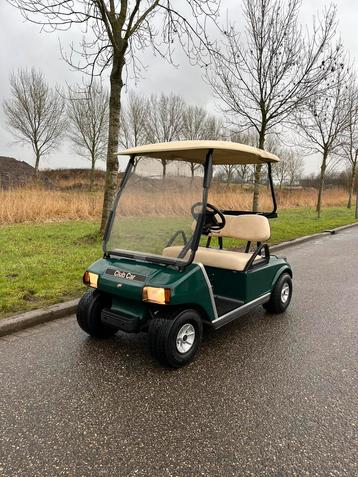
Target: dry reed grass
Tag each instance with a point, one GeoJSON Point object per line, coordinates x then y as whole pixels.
{"type": "Point", "coordinates": [286, 199]}
{"type": "Point", "coordinates": [40, 205]}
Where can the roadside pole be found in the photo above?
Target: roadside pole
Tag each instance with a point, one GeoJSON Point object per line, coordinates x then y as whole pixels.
{"type": "Point", "coordinates": [357, 205]}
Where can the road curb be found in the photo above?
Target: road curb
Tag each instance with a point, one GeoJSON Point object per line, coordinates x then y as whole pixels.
{"type": "Point", "coordinates": [35, 317]}
{"type": "Point", "coordinates": [308, 238]}
{"type": "Point", "coordinates": [25, 320]}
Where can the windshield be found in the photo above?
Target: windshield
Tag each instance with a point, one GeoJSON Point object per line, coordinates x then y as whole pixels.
{"type": "Point", "coordinates": [154, 213]}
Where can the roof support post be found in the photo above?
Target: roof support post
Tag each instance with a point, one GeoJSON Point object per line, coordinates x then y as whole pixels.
{"type": "Point", "coordinates": [194, 242]}
{"type": "Point", "coordinates": [273, 213]}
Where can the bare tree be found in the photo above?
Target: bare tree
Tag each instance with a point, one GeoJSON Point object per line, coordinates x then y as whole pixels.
{"type": "Point", "coordinates": [295, 167]}
{"type": "Point", "coordinates": [199, 125]}
{"type": "Point", "coordinates": [227, 172]}
{"type": "Point", "coordinates": [88, 123]}
{"type": "Point", "coordinates": [324, 119]}
{"type": "Point", "coordinates": [165, 114]}
{"type": "Point", "coordinates": [262, 78]}
{"type": "Point", "coordinates": [114, 33]}
{"type": "Point", "coordinates": [214, 128]}
{"type": "Point", "coordinates": [133, 122]}
{"type": "Point", "coordinates": [244, 172]}
{"type": "Point", "coordinates": [280, 170]}
{"type": "Point", "coordinates": [35, 112]}
{"type": "Point", "coordinates": [349, 148]}
{"type": "Point", "coordinates": [290, 168]}
{"type": "Point", "coordinates": [237, 172]}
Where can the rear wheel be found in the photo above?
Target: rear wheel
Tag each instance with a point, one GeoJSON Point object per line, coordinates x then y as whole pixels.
{"type": "Point", "coordinates": [281, 295]}
{"type": "Point", "coordinates": [175, 339]}
{"type": "Point", "coordinates": [88, 314]}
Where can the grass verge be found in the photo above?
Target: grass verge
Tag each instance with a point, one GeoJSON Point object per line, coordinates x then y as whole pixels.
{"type": "Point", "coordinates": [42, 264]}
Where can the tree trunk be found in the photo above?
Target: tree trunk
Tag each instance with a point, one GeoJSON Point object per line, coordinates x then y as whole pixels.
{"type": "Point", "coordinates": [351, 186]}
{"type": "Point", "coordinates": [321, 183]}
{"type": "Point", "coordinates": [164, 164]}
{"type": "Point", "coordinates": [257, 176]}
{"type": "Point", "coordinates": [93, 163]}
{"type": "Point", "coordinates": [113, 133]}
{"type": "Point", "coordinates": [37, 162]}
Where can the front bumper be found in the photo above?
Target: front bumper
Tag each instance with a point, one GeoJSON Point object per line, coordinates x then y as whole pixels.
{"type": "Point", "coordinates": [121, 321]}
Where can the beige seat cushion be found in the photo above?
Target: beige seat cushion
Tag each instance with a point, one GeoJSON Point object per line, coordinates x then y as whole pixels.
{"type": "Point", "coordinates": [251, 227]}
{"type": "Point", "coordinates": [214, 258]}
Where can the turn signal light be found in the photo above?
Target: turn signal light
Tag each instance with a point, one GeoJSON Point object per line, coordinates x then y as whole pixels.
{"type": "Point", "coordinates": [90, 279]}
{"type": "Point", "coordinates": [156, 295]}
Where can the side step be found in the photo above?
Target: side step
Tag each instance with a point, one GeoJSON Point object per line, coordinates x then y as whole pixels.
{"type": "Point", "coordinates": [241, 310]}
{"type": "Point", "coordinates": [224, 305]}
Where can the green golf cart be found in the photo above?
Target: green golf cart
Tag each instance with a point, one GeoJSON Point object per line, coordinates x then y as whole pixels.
{"type": "Point", "coordinates": [171, 260]}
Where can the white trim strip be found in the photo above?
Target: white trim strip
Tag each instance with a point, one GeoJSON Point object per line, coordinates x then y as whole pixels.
{"type": "Point", "coordinates": [210, 290]}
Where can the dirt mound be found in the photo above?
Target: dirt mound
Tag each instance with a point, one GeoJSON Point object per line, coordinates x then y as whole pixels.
{"type": "Point", "coordinates": [15, 173]}
{"type": "Point", "coordinates": [74, 179]}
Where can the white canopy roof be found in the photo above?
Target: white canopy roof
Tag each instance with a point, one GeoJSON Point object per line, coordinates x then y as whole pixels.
{"type": "Point", "coordinates": [225, 152]}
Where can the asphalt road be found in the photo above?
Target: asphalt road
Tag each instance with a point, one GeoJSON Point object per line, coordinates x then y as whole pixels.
{"type": "Point", "coordinates": [267, 395]}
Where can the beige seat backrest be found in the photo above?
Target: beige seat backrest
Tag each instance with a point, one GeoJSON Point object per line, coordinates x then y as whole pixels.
{"type": "Point", "coordinates": [250, 227]}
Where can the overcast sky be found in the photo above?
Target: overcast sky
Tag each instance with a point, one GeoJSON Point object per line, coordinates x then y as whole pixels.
{"type": "Point", "coordinates": [24, 45]}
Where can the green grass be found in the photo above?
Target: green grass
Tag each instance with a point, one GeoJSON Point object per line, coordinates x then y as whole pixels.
{"type": "Point", "coordinates": [43, 264]}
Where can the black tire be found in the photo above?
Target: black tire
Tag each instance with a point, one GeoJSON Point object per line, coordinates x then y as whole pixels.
{"type": "Point", "coordinates": [88, 315]}
{"type": "Point", "coordinates": [163, 334]}
{"type": "Point", "coordinates": [278, 301]}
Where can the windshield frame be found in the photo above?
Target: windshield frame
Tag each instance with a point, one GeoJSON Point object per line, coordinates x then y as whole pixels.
{"type": "Point", "coordinates": [269, 215]}
{"type": "Point", "coordinates": [195, 239]}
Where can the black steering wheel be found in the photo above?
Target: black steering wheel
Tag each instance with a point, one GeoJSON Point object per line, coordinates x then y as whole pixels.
{"type": "Point", "coordinates": [214, 218]}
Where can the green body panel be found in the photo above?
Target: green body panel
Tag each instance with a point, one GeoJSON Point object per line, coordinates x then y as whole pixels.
{"type": "Point", "coordinates": [130, 308]}
{"type": "Point", "coordinates": [227, 283]}
{"type": "Point", "coordinates": [188, 286]}
{"type": "Point", "coordinates": [247, 286]}
{"type": "Point", "coordinates": [262, 279]}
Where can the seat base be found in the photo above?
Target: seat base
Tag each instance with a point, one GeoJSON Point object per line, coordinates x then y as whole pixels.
{"type": "Point", "coordinates": [213, 257]}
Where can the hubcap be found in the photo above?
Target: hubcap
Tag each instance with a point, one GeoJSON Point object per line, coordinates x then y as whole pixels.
{"type": "Point", "coordinates": [285, 292]}
{"type": "Point", "coordinates": [185, 338]}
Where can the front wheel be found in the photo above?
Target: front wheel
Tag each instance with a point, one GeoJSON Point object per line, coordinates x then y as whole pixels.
{"type": "Point", "coordinates": [88, 314]}
{"type": "Point", "coordinates": [280, 295]}
{"type": "Point", "coordinates": [174, 340]}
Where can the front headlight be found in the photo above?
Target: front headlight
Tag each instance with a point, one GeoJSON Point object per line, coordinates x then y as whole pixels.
{"type": "Point", "coordinates": [90, 279]}
{"type": "Point", "coordinates": [156, 295]}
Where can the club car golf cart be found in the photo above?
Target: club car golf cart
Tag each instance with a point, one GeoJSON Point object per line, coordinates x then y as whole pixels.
{"type": "Point", "coordinates": [167, 268]}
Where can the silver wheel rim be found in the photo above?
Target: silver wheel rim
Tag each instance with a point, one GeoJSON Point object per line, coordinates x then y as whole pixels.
{"type": "Point", "coordinates": [185, 338]}
{"type": "Point", "coordinates": [285, 293]}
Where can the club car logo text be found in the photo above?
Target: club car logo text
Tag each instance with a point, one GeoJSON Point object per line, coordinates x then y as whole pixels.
{"type": "Point", "coordinates": [124, 275]}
